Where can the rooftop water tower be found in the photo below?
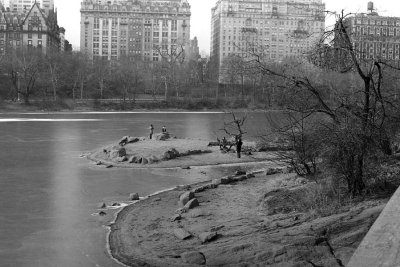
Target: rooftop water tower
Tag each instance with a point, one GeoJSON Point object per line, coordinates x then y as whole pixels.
{"type": "Point", "coordinates": [371, 9]}
{"type": "Point", "coordinates": [371, 6]}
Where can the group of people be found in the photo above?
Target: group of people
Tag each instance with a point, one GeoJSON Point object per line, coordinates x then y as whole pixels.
{"type": "Point", "coordinates": [151, 128]}
{"type": "Point", "coordinates": [223, 145]}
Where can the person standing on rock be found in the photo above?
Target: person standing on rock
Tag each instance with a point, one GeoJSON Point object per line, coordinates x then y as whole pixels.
{"type": "Point", "coordinates": [151, 131]}
{"type": "Point", "coordinates": [164, 129]}
{"type": "Point", "coordinates": [239, 144]}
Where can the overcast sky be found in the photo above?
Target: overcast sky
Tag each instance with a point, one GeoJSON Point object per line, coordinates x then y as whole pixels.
{"type": "Point", "coordinates": [69, 16]}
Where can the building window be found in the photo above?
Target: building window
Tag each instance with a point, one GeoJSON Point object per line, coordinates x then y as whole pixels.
{"type": "Point", "coordinates": [96, 23]}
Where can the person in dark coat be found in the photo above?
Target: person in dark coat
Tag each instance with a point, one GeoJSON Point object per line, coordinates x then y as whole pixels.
{"type": "Point", "coordinates": [151, 131]}
{"type": "Point", "coordinates": [239, 144]}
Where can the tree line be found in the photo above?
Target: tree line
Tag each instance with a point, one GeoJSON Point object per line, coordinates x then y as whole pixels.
{"type": "Point", "coordinates": [30, 75]}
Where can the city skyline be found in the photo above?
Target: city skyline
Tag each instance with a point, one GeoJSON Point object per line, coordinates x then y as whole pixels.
{"type": "Point", "coordinates": [69, 16]}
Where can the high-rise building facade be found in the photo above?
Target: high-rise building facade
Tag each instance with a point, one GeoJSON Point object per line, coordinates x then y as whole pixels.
{"type": "Point", "coordinates": [33, 29]}
{"type": "Point", "coordinates": [194, 50]}
{"type": "Point", "coordinates": [277, 28]}
{"type": "Point", "coordinates": [134, 29]}
{"type": "Point", "coordinates": [22, 5]}
{"type": "Point", "coordinates": [374, 36]}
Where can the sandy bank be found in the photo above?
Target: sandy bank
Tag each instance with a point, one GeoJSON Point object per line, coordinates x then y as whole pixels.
{"type": "Point", "coordinates": [250, 227]}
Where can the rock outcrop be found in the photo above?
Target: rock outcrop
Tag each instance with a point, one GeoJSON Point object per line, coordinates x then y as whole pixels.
{"type": "Point", "coordinates": [185, 198]}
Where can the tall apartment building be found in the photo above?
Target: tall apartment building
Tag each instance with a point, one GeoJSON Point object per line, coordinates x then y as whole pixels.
{"type": "Point", "coordinates": [194, 50]}
{"type": "Point", "coordinates": [134, 28]}
{"type": "Point", "coordinates": [277, 28]}
{"type": "Point", "coordinates": [22, 5]}
{"type": "Point", "coordinates": [374, 36]}
{"type": "Point", "coordinates": [32, 29]}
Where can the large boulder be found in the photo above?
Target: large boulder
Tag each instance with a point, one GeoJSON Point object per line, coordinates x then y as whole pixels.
{"type": "Point", "coordinates": [118, 153]}
{"type": "Point", "coordinates": [133, 140]}
{"type": "Point", "coordinates": [226, 180]}
{"type": "Point", "coordinates": [163, 136]}
{"type": "Point", "coordinates": [123, 141]}
{"type": "Point", "coordinates": [133, 159]}
{"type": "Point", "coordinates": [196, 258]}
{"type": "Point", "coordinates": [128, 140]}
{"type": "Point", "coordinates": [186, 197]}
{"type": "Point", "coordinates": [134, 196]}
{"type": "Point", "coordinates": [171, 154]}
{"type": "Point", "coordinates": [192, 204]}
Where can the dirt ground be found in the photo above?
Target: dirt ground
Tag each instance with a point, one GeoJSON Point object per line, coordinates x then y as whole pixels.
{"type": "Point", "coordinates": [245, 231]}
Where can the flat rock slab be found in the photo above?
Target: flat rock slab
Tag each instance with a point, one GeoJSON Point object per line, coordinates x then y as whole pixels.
{"type": "Point", "coordinates": [182, 234]}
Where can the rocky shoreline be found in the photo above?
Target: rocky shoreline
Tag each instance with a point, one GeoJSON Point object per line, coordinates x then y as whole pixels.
{"type": "Point", "coordinates": [239, 220]}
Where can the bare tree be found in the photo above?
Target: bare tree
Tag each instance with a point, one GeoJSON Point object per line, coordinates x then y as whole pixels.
{"type": "Point", "coordinates": [127, 76]}
{"type": "Point", "coordinates": [235, 129]}
{"type": "Point", "coordinates": [101, 74]}
{"type": "Point", "coordinates": [54, 62]}
{"type": "Point", "coordinates": [234, 71]}
{"type": "Point", "coordinates": [300, 147]}
{"type": "Point", "coordinates": [171, 59]}
{"type": "Point", "coordinates": [83, 69]}
{"type": "Point", "coordinates": [356, 116]}
{"type": "Point", "coordinates": [24, 67]}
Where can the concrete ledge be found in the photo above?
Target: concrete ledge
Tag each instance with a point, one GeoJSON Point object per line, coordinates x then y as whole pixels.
{"type": "Point", "coordinates": [381, 246]}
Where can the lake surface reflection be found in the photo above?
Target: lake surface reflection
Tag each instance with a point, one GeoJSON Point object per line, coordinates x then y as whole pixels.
{"type": "Point", "coordinates": [49, 193]}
